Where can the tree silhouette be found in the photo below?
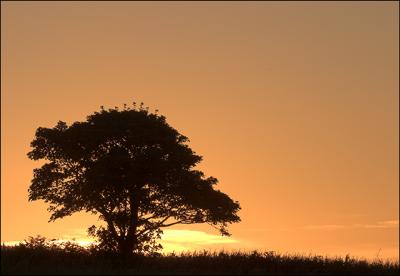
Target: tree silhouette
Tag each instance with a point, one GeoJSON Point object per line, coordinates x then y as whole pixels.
{"type": "Point", "coordinates": [133, 170]}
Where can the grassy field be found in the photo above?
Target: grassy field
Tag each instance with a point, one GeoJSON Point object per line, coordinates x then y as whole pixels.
{"type": "Point", "coordinates": [75, 260]}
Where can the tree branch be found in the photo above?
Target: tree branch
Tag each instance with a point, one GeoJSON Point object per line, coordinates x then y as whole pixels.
{"type": "Point", "coordinates": [170, 224]}
{"type": "Point", "coordinates": [157, 225]}
{"type": "Point", "coordinates": [109, 222]}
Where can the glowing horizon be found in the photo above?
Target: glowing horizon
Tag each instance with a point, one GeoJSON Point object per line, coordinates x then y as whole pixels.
{"type": "Point", "coordinates": [173, 240]}
{"type": "Point", "coordinates": [181, 241]}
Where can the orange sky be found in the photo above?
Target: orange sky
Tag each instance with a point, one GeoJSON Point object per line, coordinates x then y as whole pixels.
{"type": "Point", "coordinates": [294, 106]}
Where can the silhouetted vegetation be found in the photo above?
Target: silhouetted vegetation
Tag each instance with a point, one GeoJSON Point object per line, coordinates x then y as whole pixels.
{"type": "Point", "coordinates": [133, 170]}
{"type": "Point", "coordinates": [38, 256]}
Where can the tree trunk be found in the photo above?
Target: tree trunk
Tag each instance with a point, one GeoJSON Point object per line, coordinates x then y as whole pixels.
{"type": "Point", "coordinates": [129, 244]}
{"type": "Point", "coordinates": [125, 248]}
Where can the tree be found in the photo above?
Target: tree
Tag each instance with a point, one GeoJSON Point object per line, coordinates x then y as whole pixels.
{"type": "Point", "coordinates": [133, 170]}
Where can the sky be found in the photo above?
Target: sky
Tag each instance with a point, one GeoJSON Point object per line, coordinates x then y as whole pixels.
{"type": "Point", "coordinates": [294, 107]}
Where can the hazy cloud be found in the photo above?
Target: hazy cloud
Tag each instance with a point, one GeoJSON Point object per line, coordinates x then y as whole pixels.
{"type": "Point", "coordinates": [380, 224]}
{"type": "Point", "coordinates": [181, 240]}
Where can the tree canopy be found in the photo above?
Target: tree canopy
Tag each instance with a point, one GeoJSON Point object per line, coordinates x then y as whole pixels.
{"type": "Point", "coordinates": [132, 169]}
